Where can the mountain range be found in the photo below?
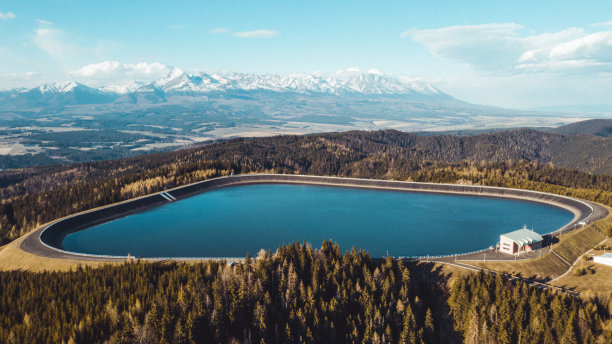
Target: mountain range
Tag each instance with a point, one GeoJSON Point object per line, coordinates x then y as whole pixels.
{"type": "Point", "coordinates": [71, 121]}
{"type": "Point", "coordinates": [179, 86]}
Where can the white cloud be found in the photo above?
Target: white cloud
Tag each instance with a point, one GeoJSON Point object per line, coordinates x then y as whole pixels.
{"type": "Point", "coordinates": [16, 80]}
{"type": "Point", "coordinates": [69, 49]}
{"type": "Point", "coordinates": [488, 46]}
{"type": "Point", "coordinates": [97, 69]}
{"type": "Point", "coordinates": [606, 23]}
{"type": "Point", "coordinates": [19, 76]}
{"type": "Point", "coordinates": [7, 15]}
{"type": "Point", "coordinates": [589, 52]}
{"type": "Point", "coordinates": [53, 43]}
{"type": "Point", "coordinates": [144, 68]}
{"type": "Point", "coordinates": [504, 48]}
{"type": "Point", "coordinates": [597, 45]}
{"type": "Point", "coordinates": [262, 33]}
{"type": "Point", "coordinates": [220, 31]}
{"type": "Point", "coordinates": [538, 46]}
{"type": "Point", "coordinates": [257, 34]}
{"type": "Point", "coordinates": [111, 71]}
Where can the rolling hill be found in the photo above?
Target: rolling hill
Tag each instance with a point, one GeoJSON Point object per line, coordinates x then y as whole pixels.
{"type": "Point", "coordinates": [598, 127]}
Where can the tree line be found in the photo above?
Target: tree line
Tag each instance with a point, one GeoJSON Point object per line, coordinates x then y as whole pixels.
{"type": "Point", "coordinates": [297, 294]}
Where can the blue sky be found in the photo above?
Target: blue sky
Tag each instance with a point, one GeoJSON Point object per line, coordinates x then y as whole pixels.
{"type": "Point", "coordinates": [520, 54]}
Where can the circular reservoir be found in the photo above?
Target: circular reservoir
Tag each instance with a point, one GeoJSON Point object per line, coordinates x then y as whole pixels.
{"type": "Point", "coordinates": [236, 220]}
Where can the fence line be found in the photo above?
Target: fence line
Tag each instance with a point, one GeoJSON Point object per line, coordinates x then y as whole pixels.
{"type": "Point", "coordinates": [443, 255]}
{"type": "Point", "coordinates": [512, 277]}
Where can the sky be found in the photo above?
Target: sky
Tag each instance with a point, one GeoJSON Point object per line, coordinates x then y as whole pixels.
{"type": "Point", "coordinates": [513, 54]}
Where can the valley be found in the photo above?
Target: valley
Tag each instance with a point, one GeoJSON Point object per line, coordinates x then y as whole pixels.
{"type": "Point", "coordinates": [72, 122]}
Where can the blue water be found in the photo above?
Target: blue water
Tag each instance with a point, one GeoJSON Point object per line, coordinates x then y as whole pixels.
{"type": "Point", "coordinates": [233, 221]}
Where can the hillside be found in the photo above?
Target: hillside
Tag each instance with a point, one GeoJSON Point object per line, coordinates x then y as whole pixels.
{"type": "Point", "coordinates": [598, 127]}
{"type": "Point", "coordinates": [392, 148]}
{"type": "Point", "coordinates": [297, 294]}
{"type": "Point", "coordinates": [585, 153]}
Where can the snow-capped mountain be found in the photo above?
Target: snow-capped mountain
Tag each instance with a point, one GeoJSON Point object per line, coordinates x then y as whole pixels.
{"type": "Point", "coordinates": [55, 95]}
{"type": "Point", "coordinates": [201, 85]}
{"type": "Point", "coordinates": [122, 88]}
{"type": "Point", "coordinates": [60, 87]}
{"type": "Point", "coordinates": [344, 83]}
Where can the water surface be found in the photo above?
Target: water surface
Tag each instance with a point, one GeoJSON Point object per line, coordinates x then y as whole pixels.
{"type": "Point", "coordinates": [233, 221]}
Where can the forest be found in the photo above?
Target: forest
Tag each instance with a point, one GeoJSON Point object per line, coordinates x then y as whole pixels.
{"type": "Point", "coordinates": [297, 294]}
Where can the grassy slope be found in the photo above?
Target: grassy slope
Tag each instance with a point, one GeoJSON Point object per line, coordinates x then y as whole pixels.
{"type": "Point", "coordinates": [542, 268]}
{"type": "Point", "coordinates": [575, 244]}
{"type": "Point", "coordinates": [12, 257]}
{"type": "Point", "coordinates": [597, 281]}
{"type": "Point", "coordinates": [549, 266]}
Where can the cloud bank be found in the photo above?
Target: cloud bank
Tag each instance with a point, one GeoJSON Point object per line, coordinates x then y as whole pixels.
{"type": "Point", "coordinates": [117, 71]}
{"type": "Point", "coordinates": [504, 47]}
{"type": "Point", "coordinates": [19, 76]}
{"type": "Point", "coordinates": [7, 15]}
{"type": "Point", "coordinates": [257, 34]}
{"type": "Point", "coordinates": [52, 42]}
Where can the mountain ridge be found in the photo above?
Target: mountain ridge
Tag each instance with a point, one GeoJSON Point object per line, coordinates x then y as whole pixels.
{"type": "Point", "coordinates": [597, 127]}
{"type": "Point", "coordinates": [200, 84]}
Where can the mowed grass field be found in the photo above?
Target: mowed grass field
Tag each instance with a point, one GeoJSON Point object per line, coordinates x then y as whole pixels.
{"type": "Point", "coordinates": [573, 245]}
{"type": "Point", "coordinates": [549, 266]}
{"type": "Point", "coordinates": [12, 257]}
{"type": "Point", "coordinates": [597, 279]}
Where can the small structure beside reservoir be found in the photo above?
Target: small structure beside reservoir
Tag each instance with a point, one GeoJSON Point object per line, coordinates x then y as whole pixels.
{"type": "Point", "coordinates": [521, 240]}
{"type": "Point", "coordinates": [605, 259]}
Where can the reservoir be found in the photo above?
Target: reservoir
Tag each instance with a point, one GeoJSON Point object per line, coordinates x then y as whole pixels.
{"type": "Point", "coordinates": [236, 220]}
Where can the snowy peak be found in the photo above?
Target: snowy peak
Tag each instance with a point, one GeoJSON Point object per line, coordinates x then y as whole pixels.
{"type": "Point", "coordinates": [346, 82]}
{"type": "Point", "coordinates": [176, 80]}
{"type": "Point", "coordinates": [69, 87]}
{"type": "Point", "coordinates": [375, 82]}
{"type": "Point", "coordinates": [200, 85]}
{"type": "Point", "coordinates": [177, 73]}
{"type": "Point", "coordinates": [341, 83]}
{"type": "Point", "coordinates": [122, 88]}
{"type": "Point", "coordinates": [59, 87]}
{"type": "Point", "coordinates": [420, 86]}
{"type": "Point", "coordinates": [180, 82]}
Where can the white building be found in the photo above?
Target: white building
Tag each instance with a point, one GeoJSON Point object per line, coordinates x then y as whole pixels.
{"type": "Point", "coordinates": [522, 240]}
{"type": "Point", "coordinates": [605, 259]}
